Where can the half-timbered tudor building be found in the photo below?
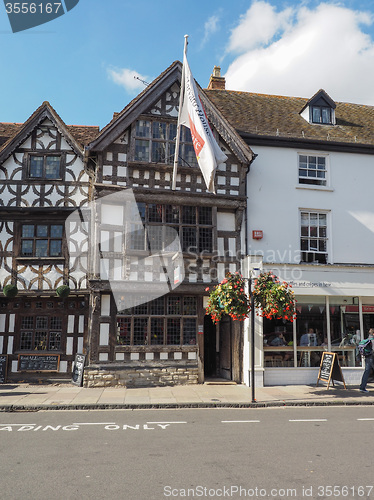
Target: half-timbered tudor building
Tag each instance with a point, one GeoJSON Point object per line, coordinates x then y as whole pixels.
{"type": "Point", "coordinates": [162, 341]}
{"type": "Point", "coordinates": [132, 329]}
{"type": "Point", "coordinates": [42, 180]}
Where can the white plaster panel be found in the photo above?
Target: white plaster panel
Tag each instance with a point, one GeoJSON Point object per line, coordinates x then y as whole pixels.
{"type": "Point", "coordinates": [149, 355]}
{"type": "Point", "coordinates": [232, 247]}
{"type": "Point", "coordinates": [81, 324]}
{"type": "Point", "coordinates": [225, 221]}
{"type": "Point", "coordinates": [192, 355]}
{"type": "Point", "coordinates": [122, 157]}
{"type": "Point", "coordinates": [109, 156]}
{"type": "Point", "coordinates": [112, 214]}
{"type": "Point", "coordinates": [122, 171]}
{"type": "Point", "coordinates": [53, 196]}
{"type": "Point", "coordinates": [10, 345]}
{"type": "Point", "coordinates": [177, 355]}
{"type": "Point", "coordinates": [104, 334]}
{"type": "Point", "coordinates": [221, 246]}
{"type": "Point", "coordinates": [104, 269]}
{"type": "Point", "coordinates": [28, 198]}
{"type": "Point", "coordinates": [27, 143]}
{"type": "Point", "coordinates": [1, 344]}
{"type": "Point", "coordinates": [164, 355]}
{"type": "Point", "coordinates": [14, 366]}
{"type": "Point", "coordinates": [63, 366]}
{"type": "Point", "coordinates": [107, 170]}
{"type": "Point", "coordinates": [70, 323]}
{"type": "Point", "coordinates": [65, 145]}
{"type": "Point", "coordinates": [11, 322]}
{"type": "Point", "coordinates": [80, 344]}
{"type": "Point", "coordinates": [134, 356]}
{"type": "Point", "coordinates": [120, 356]}
{"type": "Point", "coordinates": [105, 305]}
{"type": "Point", "coordinates": [6, 196]}
{"type": "Point", "coordinates": [103, 356]}
{"type": "Point", "coordinates": [220, 271]}
{"type": "Point", "coordinates": [2, 322]}
{"type": "Point", "coordinates": [69, 345]}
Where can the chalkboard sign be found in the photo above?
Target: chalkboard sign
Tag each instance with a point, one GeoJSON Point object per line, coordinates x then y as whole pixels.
{"type": "Point", "coordinates": [3, 367]}
{"type": "Point", "coordinates": [38, 362]}
{"type": "Point", "coordinates": [329, 369]}
{"type": "Point", "coordinates": [78, 368]}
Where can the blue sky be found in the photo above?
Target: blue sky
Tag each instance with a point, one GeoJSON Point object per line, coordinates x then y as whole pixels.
{"type": "Point", "coordinates": [83, 63]}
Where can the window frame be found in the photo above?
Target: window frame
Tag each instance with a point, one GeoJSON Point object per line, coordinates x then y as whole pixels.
{"type": "Point", "coordinates": [187, 156]}
{"type": "Point", "coordinates": [45, 156]}
{"type": "Point", "coordinates": [36, 333]}
{"type": "Point", "coordinates": [317, 237]}
{"type": "Point", "coordinates": [35, 238]}
{"type": "Point", "coordinates": [325, 181]}
{"type": "Point", "coordinates": [199, 223]}
{"type": "Point", "coordinates": [174, 311]}
{"type": "Point", "coordinates": [321, 109]}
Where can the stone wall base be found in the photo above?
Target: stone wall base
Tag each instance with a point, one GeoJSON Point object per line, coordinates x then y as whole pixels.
{"type": "Point", "coordinates": [139, 376]}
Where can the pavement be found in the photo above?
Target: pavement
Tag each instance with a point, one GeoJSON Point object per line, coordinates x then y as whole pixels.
{"type": "Point", "coordinates": [66, 396]}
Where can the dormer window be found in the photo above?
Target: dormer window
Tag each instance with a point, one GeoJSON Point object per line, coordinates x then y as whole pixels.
{"type": "Point", "coordinates": [320, 109]}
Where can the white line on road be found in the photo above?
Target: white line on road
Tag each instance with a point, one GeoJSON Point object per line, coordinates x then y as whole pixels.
{"type": "Point", "coordinates": [94, 423]}
{"type": "Point", "coordinates": [309, 420]}
{"type": "Point", "coordinates": [365, 419]}
{"type": "Point", "coordinates": [179, 422]}
{"type": "Point", "coordinates": [14, 425]}
{"type": "Point", "coordinates": [239, 421]}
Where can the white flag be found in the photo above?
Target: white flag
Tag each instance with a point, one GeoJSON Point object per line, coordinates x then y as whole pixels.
{"type": "Point", "coordinates": [192, 115]}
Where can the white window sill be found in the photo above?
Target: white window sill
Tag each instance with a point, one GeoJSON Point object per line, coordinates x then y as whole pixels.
{"type": "Point", "coordinates": [313, 187]}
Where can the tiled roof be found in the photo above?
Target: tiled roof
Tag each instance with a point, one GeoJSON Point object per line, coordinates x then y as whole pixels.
{"type": "Point", "coordinates": [82, 134]}
{"type": "Point", "coordinates": [8, 130]}
{"type": "Point", "coordinates": [279, 116]}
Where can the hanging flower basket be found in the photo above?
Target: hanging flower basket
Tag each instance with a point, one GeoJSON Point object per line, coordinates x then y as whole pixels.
{"type": "Point", "coordinates": [275, 298]}
{"type": "Point", "coordinates": [63, 291]}
{"type": "Point", "coordinates": [229, 298]}
{"type": "Point", "coordinates": [10, 291]}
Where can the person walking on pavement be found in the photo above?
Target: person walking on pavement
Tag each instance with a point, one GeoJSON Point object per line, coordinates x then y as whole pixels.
{"type": "Point", "coordinates": [369, 364]}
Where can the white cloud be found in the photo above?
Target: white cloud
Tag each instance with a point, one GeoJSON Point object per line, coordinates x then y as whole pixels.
{"type": "Point", "coordinates": [298, 52]}
{"type": "Point", "coordinates": [210, 27]}
{"type": "Point", "coordinates": [258, 26]}
{"type": "Point", "coordinates": [128, 78]}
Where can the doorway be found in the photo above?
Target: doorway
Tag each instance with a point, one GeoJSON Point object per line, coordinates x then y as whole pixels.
{"type": "Point", "coordinates": [217, 349]}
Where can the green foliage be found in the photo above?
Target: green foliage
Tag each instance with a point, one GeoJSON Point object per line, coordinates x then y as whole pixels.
{"type": "Point", "coordinates": [275, 298]}
{"type": "Point", "coordinates": [10, 291]}
{"type": "Point", "coordinates": [63, 291]}
{"type": "Point", "coordinates": [229, 297]}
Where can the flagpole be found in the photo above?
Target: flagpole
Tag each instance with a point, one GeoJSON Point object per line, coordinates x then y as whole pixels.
{"type": "Point", "coordinates": [177, 139]}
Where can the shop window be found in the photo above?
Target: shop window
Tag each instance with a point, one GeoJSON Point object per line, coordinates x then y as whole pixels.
{"type": "Point", "coordinates": [345, 329]}
{"type": "Point", "coordinates": [278, 343]}
{"type": "Point", "coordinates": [170, 320]}
{"type": "Point", "coordinates": [40, 333]}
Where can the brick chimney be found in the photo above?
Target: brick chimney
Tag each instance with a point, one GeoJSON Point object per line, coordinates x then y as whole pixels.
{"type": "Point", "coordinates": [217, 82]}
